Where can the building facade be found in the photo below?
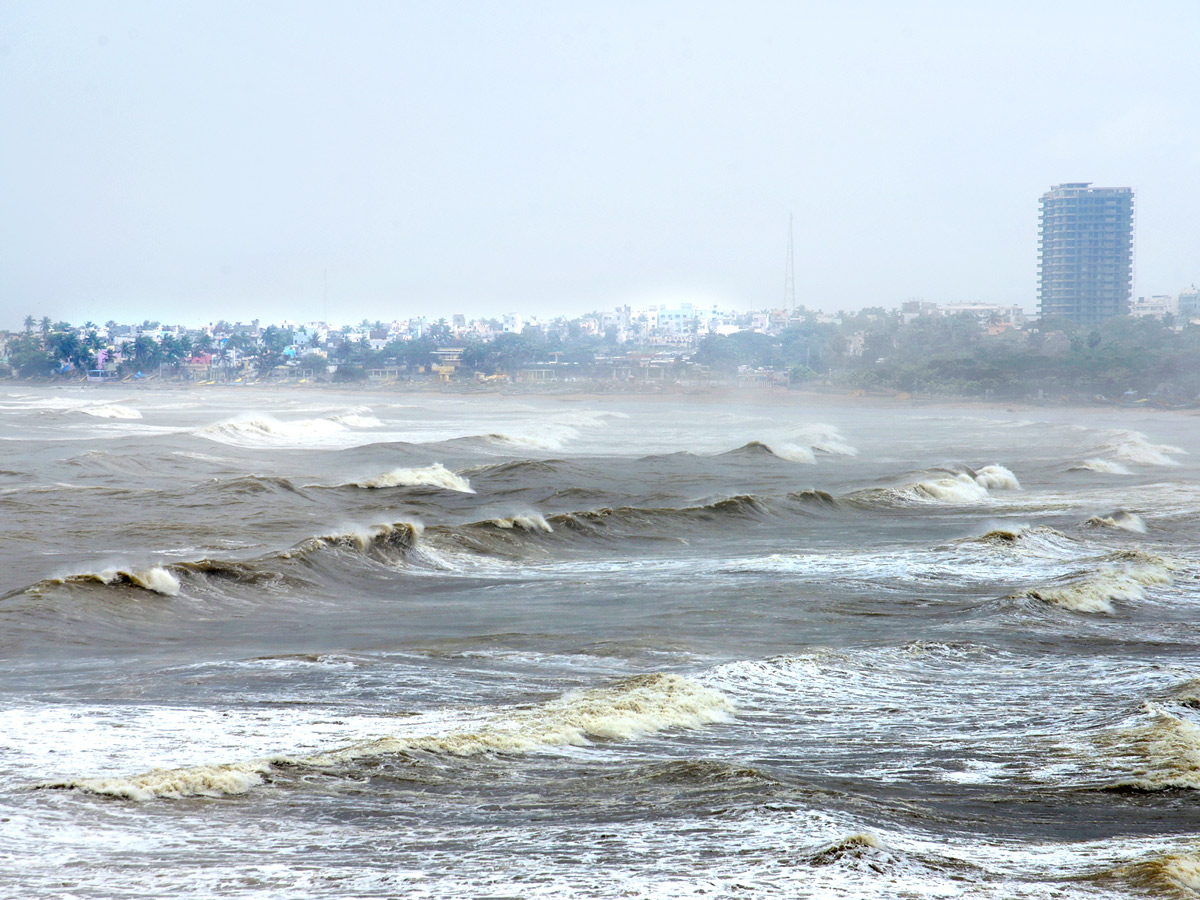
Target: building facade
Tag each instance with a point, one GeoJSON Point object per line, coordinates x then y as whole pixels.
{"type": "Point", "coordinates": [1085, 252]}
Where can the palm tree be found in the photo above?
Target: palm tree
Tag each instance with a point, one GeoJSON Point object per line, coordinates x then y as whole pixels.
{"type": "Point", "coordinates": [45, 325]}
{"type": "Point", "coordinates": [29, 323]}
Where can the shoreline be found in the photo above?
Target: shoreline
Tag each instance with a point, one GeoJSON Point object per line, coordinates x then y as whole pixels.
{"type": "Point", "coordinates": [607, 391]}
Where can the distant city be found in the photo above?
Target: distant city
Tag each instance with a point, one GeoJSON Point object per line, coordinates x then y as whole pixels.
{"type": "Point", "coordinates": [1085, 269]}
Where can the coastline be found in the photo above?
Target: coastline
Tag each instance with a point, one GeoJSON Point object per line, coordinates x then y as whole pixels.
{"type": "Point", "coordinates": [707, 394]}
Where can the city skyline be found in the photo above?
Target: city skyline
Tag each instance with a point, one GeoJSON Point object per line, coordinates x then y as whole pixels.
{"type": "Point", "coordinates": [394, 160]}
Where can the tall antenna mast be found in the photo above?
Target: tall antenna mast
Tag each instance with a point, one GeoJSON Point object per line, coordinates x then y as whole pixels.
{"type": "Point", "coordinates": [789, 277]}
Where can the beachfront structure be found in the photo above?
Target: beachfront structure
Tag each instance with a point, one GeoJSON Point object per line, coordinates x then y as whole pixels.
{"type": "Point", "coordinates": [1085, 252]}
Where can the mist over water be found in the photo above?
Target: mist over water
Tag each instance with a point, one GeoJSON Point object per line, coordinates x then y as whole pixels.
{"type": "Point", "coordinates": [281, 643]}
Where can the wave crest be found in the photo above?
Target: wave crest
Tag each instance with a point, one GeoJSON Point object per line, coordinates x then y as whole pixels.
{"type": "Point", "coordinates": [1095, 592]}
{"type": "Point", "coordinates": [631, 708]}
{"type": "Point", "coordinates": [1126, 521]}
{"type": "Point", "coordinates": [435, 475]}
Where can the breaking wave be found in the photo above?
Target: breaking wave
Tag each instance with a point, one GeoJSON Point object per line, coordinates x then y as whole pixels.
{"type": "Point", "coordinates": [1103, 466]}
{"type": "Point", "coordinates": [377, 541]}
{"type": "Point", "coordinates": [959, 487]}
{"type": "Point", "coordinates": [1039, 540]}
{"type": "Point", "coordinates": [1173, 874]}
{"type": "Point", "coordinates": [637, 706]}
{"type": "Point", "coordinates": [267, 430]}
{"type": "Point", "coordinates": [790, 452]}
{"type": "Point", "coordinates": [435, 475]}
{"type": "Point", "coordinates": [157, 579]}
{"type": "Point", "coordinates": [527, 522]}
{"type": "Point", "coordinates": [1162, 754]}
{"type": "Point", "coordinates": [1095, 592]}
{"type": "Point", "coordinates": [110, 412]}
{"type": "Point", "coordinates": [802, 445]}
{"type": "Point", "coordinates": [1126, 521]}
{"type": "Point", "coordinates": [554, 438]}
{"type": "Point", "coordinates": [262, 430]}
{"type": "Point", "coordinates": [1135, 447]}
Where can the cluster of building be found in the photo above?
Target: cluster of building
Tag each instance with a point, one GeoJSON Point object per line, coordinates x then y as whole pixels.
{"type": "Point", "coordinates": [1085, 274]}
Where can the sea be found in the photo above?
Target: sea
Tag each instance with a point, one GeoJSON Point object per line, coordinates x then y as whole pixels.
{"type": "Point", "coordinates": [283, 642]}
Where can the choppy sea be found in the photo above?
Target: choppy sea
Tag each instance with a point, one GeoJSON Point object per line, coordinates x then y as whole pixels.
{"type": "Point", "coordinates": [281, 644]}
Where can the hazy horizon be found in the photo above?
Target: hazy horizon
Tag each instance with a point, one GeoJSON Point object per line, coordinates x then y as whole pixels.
{"type": "Point", "coordinates": [165, 159]}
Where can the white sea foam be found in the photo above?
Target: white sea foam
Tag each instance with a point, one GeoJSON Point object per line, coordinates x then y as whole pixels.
{"type": "Point", "coordinates": [526, 522]}
{"type": "Point", "coordinates": [792, 452]}
{"type": "Point", "coordinates": [634, 707]}
{"type": "Point", "coordinates": [549, 438]}
{"type": "Point", "coordinates": [1135, 447]}
{"type": "Point", "coordinates": [435, 475]}
{"type": "Point", "coordinates": [997, 478]}
{"type": "Point", "coordinates": [1126, 521]}
{"type": "Point", "coordinates": [961, 487]}
{"type": "Point", "coordinates": [1170, 874]}
{"type": "Point", "coordinates": [155, 578]}
{"type": "Point", "coordinates": [824, 439]}
{"type": "Point", "coordinates": [263, 430]}
{"type": "Point", "coordinates": [1103, 466]}
{"type": "Point", "coordinates": [1095, 592]}
{"type": "Point", "coordinates": [111, 412]}
{"type": "Point", "coordinates": [356, 420]}
{"type": "Point", "coordinates": [1162, 754]}
{"type": "Point", "coordinates": [175, 784]}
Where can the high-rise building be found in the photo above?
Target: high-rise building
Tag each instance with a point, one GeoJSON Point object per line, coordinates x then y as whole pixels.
{"type": "Point", "coordinates": [1085, 252]}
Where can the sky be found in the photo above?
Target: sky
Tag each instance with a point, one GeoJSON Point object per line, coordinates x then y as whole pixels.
{"type": "Point", "coordinates": [192, 161]}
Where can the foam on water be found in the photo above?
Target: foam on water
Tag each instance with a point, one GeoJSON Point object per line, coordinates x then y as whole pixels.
{"type": "Point", "coordinates": [1135, 447]}
{"type": "Point", "coordinates": [1161, 754]}
{"type": "Point", "coordinates": [1103, 466]}
{"type": "Point", "coordinates": [961, 487]}
{"type": "Point", "coordinates": [1126, 521]}
{"type": "Point", "coordinates": [435, 475]}
{"type": "Point", "coordinates": [525, 522]}
{"type": "Point", "coordinates": [636, 706]}
{"type": "Point", "coordinates": [1096, 591]}
{"type": "Point", "coordinates": [110, 412]}
{"type": "Point", "coordinates": [267, 431]}
{"type": "Point", "coordinates": [153, 578]}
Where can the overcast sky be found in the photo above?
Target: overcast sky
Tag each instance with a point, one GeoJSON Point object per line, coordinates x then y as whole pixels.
{"type": "Point", "coordinates": [190, 161]}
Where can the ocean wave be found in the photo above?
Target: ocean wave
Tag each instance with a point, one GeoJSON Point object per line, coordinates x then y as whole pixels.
{"type": "Point", "coordinates": [1135, 447]}
{"type": "Point", "coordinates": [435, 475]}
{"type": "Point", "coordinates": [1096, 591]}
{"type": "Point", "coordinates": [742, 505]}
{"type": "Point", "coordinates": [854, 847]}
{"type": "Point", "coordinates": [1038, 540]}
{"type": "Point", "coordinates": [388, 543]}
{"type": "Point", "coordinates": [157, 579]}
{"type": "Point", "coordinates": [1161, 754]}
{"type": "Point", "coordinates": [373, 540]}
{"type": "Point", "coordinates": [965, 486]}
{"type": "Point", "coordinates": [1170, 874]}
{"type": "Point", "coordinates": [815, 498]}
{"type": "Point", "coordinates": [110, 412]}
{"type": "Point", "coordinates": [356, 420]}
{"type": "Point", "coordinates": [176, 784]}
{"type": "Point", "coordinates": [526, 522]}
{"type": "Point", "coordinates": [1103, 466]}
{"type": "Point", "coordinates": [255, 484]}
{"type": "Point", "coordinates": [550, 439]}
{"type": "Point", "coordinates": [823, 439]}
{"type": "Point", "coordinates": [262, 430]}
{"type": "Point", "coordinates": [800, 445]}
{"type": "Point", "coordinates": [1120, 518]}
{"type": "Point", "coordinates": [632, 708]}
